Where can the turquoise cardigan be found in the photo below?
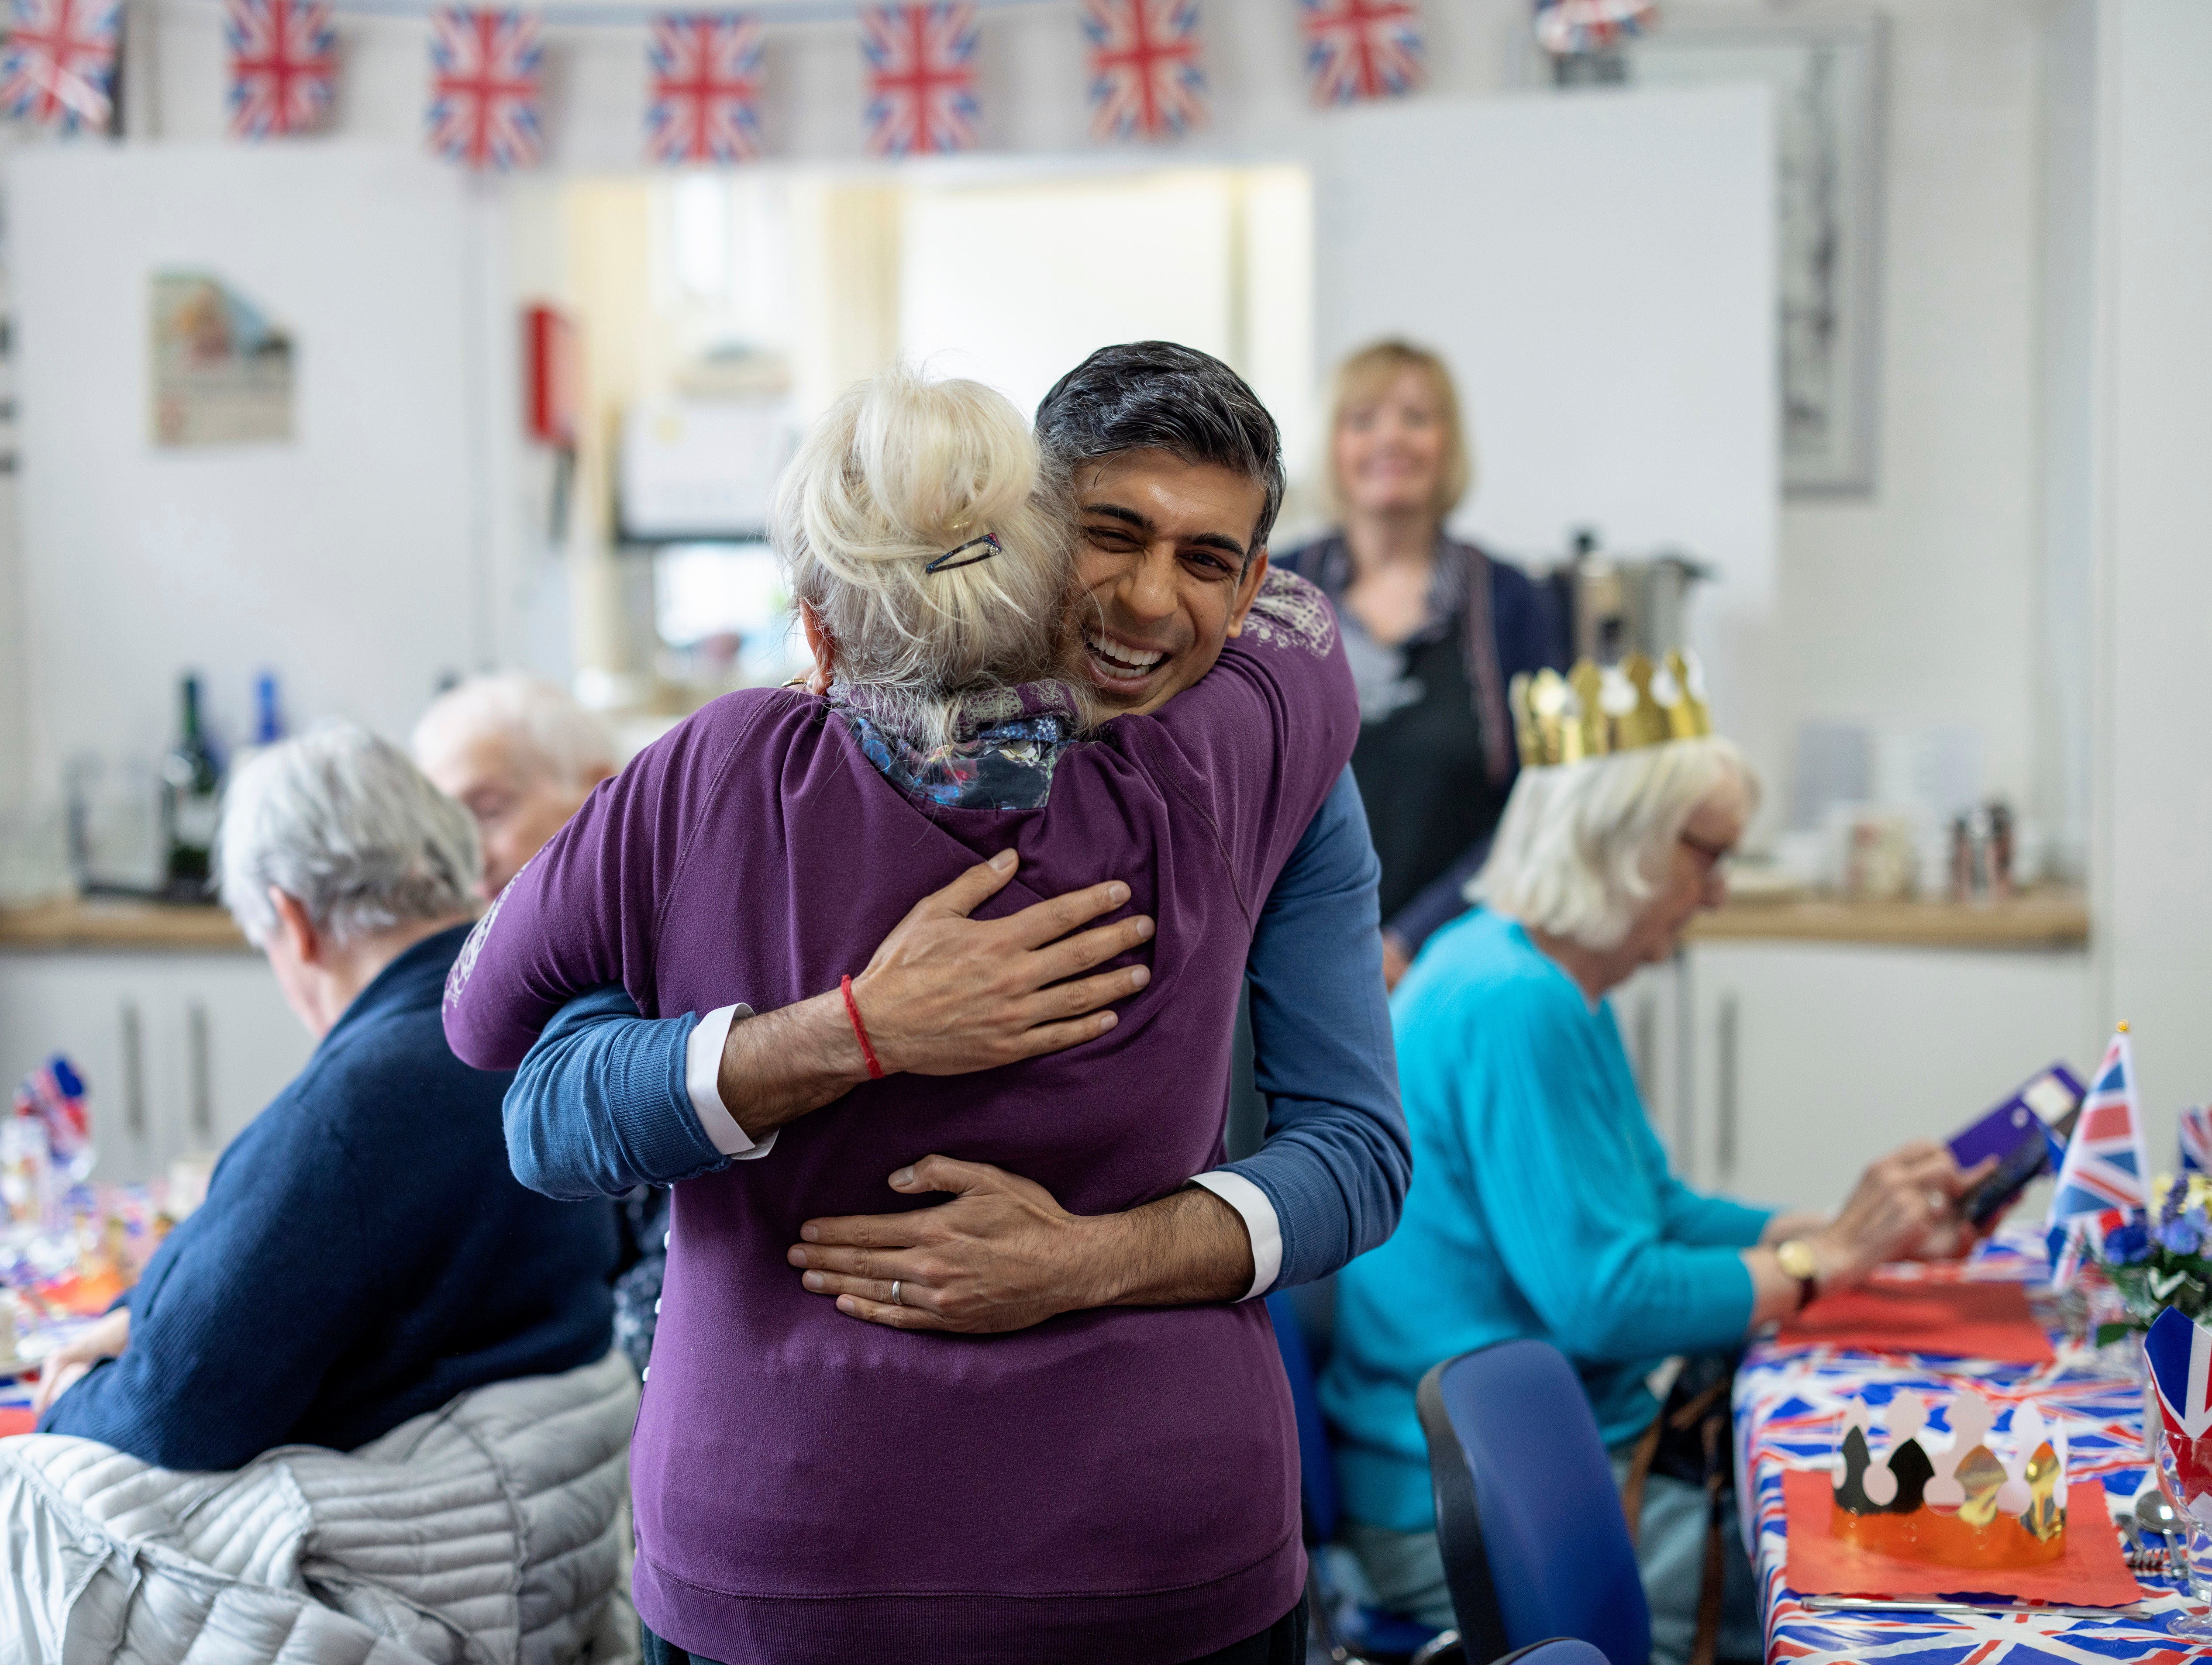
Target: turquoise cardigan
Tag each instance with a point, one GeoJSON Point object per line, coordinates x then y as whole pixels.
{"type": "Point", "coordinates": [1541, 1206]}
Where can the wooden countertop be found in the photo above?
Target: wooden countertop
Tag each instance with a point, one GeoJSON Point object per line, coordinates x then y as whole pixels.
{"type": "Point", "coordinates": [2042, 919]}
{"type": "Point", "coordinates": [115, 925]}
{"type": "Point", "coordinates": [2045, 918]}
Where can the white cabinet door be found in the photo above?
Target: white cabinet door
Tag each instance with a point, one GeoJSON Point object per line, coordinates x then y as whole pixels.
{"type": "Point", "coordinates": [1810, 1060]}
{"type": "Point", "coordinates": [179, 1052]}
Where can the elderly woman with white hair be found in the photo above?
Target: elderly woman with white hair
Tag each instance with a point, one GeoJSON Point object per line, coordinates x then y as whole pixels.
{"type": "Point", "coordinates": [1542, 1204]}
{"type": "Point", "coordinates": [364, 1253]}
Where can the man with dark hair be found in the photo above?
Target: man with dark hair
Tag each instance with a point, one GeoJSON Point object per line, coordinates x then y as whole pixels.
{"type": "Point", "coordinates": [1176, 473]}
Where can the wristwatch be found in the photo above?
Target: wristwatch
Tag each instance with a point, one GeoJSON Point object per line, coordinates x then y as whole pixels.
{"type": "Point", "coordinates": [1797, 1260]}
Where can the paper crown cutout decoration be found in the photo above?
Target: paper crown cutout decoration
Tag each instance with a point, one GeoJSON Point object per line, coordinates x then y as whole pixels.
{"type": "Point", "coordinates": [2179, 1352]}
{"type": "Point", "coordinates": [1594, 711]}
{"type": "Point", "coordinates": [1968, 1499]}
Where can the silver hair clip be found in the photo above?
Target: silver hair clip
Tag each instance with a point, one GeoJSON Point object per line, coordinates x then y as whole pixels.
{"type": "Point", "coordinates": [945, 563]}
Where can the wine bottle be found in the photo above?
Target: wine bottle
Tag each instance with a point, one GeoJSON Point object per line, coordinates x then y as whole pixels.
{"type": "Point", "coordinates": [192, 806]}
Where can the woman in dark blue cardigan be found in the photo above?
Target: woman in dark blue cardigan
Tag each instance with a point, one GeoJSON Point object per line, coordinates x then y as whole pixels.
{"type": "Point", "coordinates": [1435, 628]}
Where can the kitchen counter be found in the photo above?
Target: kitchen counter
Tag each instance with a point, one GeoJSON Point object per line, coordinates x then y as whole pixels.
{"type": "Point", "coordinates": [2047, 919]}
{"type": "Point", "coordinates": [115, 925]}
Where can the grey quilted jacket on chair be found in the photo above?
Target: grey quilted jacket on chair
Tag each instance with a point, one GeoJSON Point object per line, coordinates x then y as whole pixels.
{"type": "Point", "coordinates": [489, 1532]}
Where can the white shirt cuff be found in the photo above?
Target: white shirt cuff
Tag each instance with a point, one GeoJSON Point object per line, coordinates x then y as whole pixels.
{"type": "Point", "coordinates": [1261, 1225]}
{"type": "Point", "coordinates": [703, 1069]}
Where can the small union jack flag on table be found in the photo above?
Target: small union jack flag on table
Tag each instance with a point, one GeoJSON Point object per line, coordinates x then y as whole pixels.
{"type": "Point", "coordinates": [1567, 27]}
{"type": "Point", "coordinates": [1147, 77]}
{"type": "Point", "coordinates": [283, 65]}
{"type": "Point", "coordinates": [705, 74]}
{"type": "Point", "coordinates": [920, 63]}
{"type": "Point", "coordinates": [484, 87]}
{"type": "Point", "coordinates": [1361, 49]}
{"type": "Point", "coordinates": [59, 63]}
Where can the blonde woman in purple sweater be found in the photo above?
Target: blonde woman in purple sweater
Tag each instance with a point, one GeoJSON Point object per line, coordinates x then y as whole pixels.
{"type": "Point", "coordinates": [1116, 1484]}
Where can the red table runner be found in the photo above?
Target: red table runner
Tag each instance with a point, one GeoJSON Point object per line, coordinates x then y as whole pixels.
{"type": "Point", "coordinates": [1920, 1317]}
{"type": "Point", "coordinates": [2091, 1574]}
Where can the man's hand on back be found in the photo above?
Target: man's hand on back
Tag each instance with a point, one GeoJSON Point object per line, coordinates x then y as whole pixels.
{"type": "Point", "coordinates": [946, 994]}
{"type": "Point", "coordinates": [1003, 1255]}
{"type": "Point", "coordinates": [943, 994]}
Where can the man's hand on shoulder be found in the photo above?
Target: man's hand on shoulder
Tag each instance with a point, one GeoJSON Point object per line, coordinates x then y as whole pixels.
{"type": "Point", "coordinates": [1003, 1255]}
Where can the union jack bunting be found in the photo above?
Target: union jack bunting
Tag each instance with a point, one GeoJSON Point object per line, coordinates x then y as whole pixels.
{"type": "Point", "coordinates": [2105, 1167]}
{"type": "Point", "coordinates": [2197, 1141]}
{"type": "Point", "coordinates": [1147, 75]}
{"type": "Point", "coordinates": [705, 74]}
{"type": "Point", "coordinates": [484, 87]}
{"type": "Point", "coordinates": [1359, 49]}
{"type": "Point", "coordinates": [1567, 27]}
{"type": "Point", "coordinates": [920, 65]}
{"type": "Point", "coordinates": [58, 66]}
{"type": "Point", "coordinates": [283, 65]}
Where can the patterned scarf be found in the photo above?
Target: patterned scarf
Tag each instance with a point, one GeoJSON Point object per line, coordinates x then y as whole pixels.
{"type": "Point", "coordinates": [1005, 744]}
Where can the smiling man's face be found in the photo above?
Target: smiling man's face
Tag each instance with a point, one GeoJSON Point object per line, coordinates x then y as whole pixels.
{"type": "Point", "coordinates": [1167, 571]}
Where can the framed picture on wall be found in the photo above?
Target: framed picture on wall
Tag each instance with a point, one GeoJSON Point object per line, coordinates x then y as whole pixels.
{"type": "Point", "coordinates": [1827, 70]}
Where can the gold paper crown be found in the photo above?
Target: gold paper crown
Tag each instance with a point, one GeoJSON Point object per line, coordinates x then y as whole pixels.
{"type": "Point", "coordinates": [1957, 1503]}
{"type": "Point", "coordinates": [1592, 711]}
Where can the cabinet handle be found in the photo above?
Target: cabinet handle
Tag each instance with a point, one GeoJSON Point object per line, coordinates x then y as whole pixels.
{"type": "Point", "coordinates": [1647, 1049]}
{"type": "Point", "coordinates": [1725, 1071]}
{"type": "Point", "coordinates": [196, 1045]}
{"type": "Point", "coordinates": [134, 1072]}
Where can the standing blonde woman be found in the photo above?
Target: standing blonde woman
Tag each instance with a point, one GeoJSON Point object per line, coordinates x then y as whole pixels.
{"type": "Point", "coordinates": [1435, 630]}
{"type": "Point", "coordinates": [1113, 1484]}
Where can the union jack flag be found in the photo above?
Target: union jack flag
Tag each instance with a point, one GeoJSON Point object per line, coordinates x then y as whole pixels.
{"type": "Point", "coordinates": [2197, 1141]}
{"type": "Point", "coordinates": [2105, 1167]}
{"type": "Point", "coordinates": [2180, 1354]}
{"type": "Point", "coordinates": [705, 77]}
{"type": "Point", "coordinates": [53, 1095]}
{"type": "Point", "coordinates": [920, 63]}
{"type": "Point", "coordinates": [2070, 1244]}
{"type": "Point", "coordinates": [483, 87]}
{"type": "Point", "coordinates": [1358, 49]}
{"type": "Point", "coordinates": [283, 65]}
{"type": "Point", "coordinates": [59, 63]}
{"type": "Point", "coordinates": [1146, 75]}
{"type": "Point", "coordinates": [1567, 27]}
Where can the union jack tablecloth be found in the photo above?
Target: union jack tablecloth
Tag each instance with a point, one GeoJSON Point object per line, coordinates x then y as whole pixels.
{"type": "Point", "coordinates": [1787, 1405]}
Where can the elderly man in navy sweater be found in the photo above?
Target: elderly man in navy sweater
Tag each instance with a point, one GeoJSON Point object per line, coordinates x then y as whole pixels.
{"type": "Point", "coordinates": [364, 1253]}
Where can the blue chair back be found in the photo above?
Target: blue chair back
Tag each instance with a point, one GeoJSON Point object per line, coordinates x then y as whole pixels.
{"type": "Point", "coordinates": [1316, 1470]}
{"type": "Point", "coordinates": [1534, 1543]}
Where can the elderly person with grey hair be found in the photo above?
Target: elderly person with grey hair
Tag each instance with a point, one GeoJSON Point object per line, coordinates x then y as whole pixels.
{"type": "Point", "coordinates": [1542, 1204]}
{"type": "Point", "coordinates": [364, 1255]}
{"type": "Point", "coordinates": [519, 755]}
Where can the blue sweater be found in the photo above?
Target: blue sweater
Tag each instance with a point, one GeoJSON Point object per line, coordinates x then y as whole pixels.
{"type": "Point", "coordinates": [1333, 1165]}
{"type": "Point", "coordinates": [1542, 1206]}
{"type": "Point", "coordinates": [363, 1255]}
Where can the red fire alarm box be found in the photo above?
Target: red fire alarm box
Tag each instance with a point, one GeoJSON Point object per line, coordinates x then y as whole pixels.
{"type": "Point", "coordinates": [549, 395]}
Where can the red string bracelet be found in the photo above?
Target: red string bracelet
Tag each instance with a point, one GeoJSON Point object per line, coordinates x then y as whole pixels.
{"type": "Point", "coordinates": [853, 1011]}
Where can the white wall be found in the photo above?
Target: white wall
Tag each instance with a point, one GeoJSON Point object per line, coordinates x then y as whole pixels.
{"type": "Point", "coordinates": [2153, 875]}
{"type": "Point", "coordinates": [354, 561]}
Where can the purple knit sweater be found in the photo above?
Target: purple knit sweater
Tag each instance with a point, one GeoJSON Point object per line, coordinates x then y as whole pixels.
{"type": "Point", "coordinates": [1118, 1485]}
